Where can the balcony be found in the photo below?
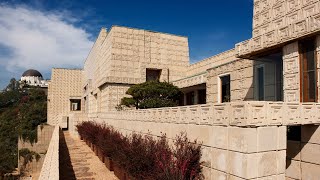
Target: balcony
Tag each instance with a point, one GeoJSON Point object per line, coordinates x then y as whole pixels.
{"type": "Point", "coordinates": [241, 114]}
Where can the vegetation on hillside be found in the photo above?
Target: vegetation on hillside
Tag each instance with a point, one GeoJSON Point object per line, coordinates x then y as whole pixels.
{"type": "Point", "coordinates": [152, 94]}
{"type": "Point", "coordinates": [21, 111]}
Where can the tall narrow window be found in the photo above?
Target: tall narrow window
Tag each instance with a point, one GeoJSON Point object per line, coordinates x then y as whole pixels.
{"type": "Point", "coordinates": [225, 88]}
{"type": "Point", "coordinates": [308, 70]}
{"type": "Point", "coordinates": [260, 83]}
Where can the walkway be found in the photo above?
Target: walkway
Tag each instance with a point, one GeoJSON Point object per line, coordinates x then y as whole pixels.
{"type": "Point", "coordinates": [77, 161]}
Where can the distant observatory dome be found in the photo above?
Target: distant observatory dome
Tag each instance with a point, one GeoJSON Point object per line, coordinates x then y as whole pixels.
{"type": "Point", "coordinates": [32, 72]}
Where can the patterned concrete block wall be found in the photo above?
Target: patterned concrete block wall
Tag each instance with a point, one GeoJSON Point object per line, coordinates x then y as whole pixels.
{"type": "Point", "coordinates": [211, 62]}
{"type": "Point", "coordinates": [134, 50]}
{"type": "Point", "coordinates": [41, 147]}
{"type": "Point", "coordinates": [111, 96]}
{"type": "Point", "coordinates": [291, 73]}
{"type": "Point", "coordinates": [122, 55]}
{"type": "Point", "coordinates": [278, 22]}
{"type": "Point", "coordinates": [241, 77]}
{"type": "Point", "coordinates": [91, 65]}
{"type": "Point", "coordinates": [65, 83]}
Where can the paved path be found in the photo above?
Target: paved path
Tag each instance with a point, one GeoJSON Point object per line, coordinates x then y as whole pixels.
{"type": "Point", "coordinates": [83, 163]}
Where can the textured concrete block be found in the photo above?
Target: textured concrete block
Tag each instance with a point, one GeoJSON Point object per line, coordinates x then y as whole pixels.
{"type": "Point", "coordinates": [206, 157]}
{"type": "Point", "coordinates": [293, 169]}
{"type": "Point", "coordinates": [218, 175]}
{"type": "Point", "coordinates": [310, 171]}
{"type": "Point", "coordinates": [219, 137]}
{"type": "Point", "coordinates": [281, 162]}
{"type": "Point", "coordinates": [243, 139]}
{"type": "Point", "coordinates": [267, 138]}
{"type": "Point", "coordinates": [220, 159]}
{"type": "Point", "coordinates": [243, 165]}
{"type": "Point", "coordinates": [282, 137]}
{"type": "Point", "coordinates": [310, 153]}
{"type": "Point", "coordinates": [267, 163]}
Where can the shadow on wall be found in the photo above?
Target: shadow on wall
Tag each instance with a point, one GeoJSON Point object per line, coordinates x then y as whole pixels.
{"type": "Point", "coordinates": [297, 139]}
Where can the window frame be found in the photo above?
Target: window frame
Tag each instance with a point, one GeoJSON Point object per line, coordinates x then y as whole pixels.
{"type": "Point", "coordinates": [220, 87]}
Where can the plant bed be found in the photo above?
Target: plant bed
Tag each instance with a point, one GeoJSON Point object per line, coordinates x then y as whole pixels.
{"type": "Point", "coordinates": [100, 155]}
{"type": "Point", "coordinates": [109, 163]}
{"type": "Point", "coordinates": [119, 171]}
{"type": "Point", "coordinates": [140, 156]}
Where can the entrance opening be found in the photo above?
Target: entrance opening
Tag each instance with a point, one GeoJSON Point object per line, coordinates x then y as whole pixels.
{"type": "Point", "coordinates": [75, 104]}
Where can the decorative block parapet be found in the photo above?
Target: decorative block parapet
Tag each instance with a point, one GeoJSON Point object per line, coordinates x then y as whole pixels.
{"type": "Point", "coordinates": [277, 22]}
{"type": "Point", "coordinates": [241, 114]}
{"type": "Point", "coordinates": [50, 167]}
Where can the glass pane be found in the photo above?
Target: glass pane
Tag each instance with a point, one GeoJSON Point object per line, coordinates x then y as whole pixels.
{"type": "Point", "coordinates": [310, 60]}
{"type": "Point", "coordinates": [261, 83]}
{"type": "Point", "coordinates": [311, 85]}
{"type": "Point", "coordinates": [225, 88]}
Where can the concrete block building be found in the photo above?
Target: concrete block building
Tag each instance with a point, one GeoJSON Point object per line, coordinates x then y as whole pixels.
{"type": "Point", "coordinates": [240, 103]}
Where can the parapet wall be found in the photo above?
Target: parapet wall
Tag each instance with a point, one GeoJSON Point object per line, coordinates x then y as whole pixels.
{"type": "Point", "coordinates": [50, 167]}
{"type": "Point", "coordinates": [240, 140]}
{"type": "Point", "coordinates": [230, 149]}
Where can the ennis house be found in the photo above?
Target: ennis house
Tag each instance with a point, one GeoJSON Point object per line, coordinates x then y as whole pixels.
{"type": "Point", "coordinates": [239, 103]}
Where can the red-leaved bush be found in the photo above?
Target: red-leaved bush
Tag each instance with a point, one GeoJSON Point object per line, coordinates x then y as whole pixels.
{"type": "Point", "coordinates": [145, 157]}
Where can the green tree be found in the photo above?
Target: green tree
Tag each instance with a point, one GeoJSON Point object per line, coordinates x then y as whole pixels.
{"type": "Point", "coordinates": [152, 94]}
{"type": "Point", "coordinates": [32, 112]}
{"type": "Point", "coordinates": [13, 85]}
{"type": "Point", "coordinates": [21, 111]}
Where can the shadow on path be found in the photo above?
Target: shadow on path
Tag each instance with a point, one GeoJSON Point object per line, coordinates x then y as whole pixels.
{"type": "Point", "coordinates": [65, 167]}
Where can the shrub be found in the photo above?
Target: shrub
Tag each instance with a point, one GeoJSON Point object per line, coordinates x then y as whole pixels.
{"type": "Point", "coordinates": [152, 94]}
{"type": "Point", "coordinates": [144, 157]}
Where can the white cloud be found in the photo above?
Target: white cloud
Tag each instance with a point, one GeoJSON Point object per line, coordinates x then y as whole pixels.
{"type": "Point", "coordinates": [40, 40]}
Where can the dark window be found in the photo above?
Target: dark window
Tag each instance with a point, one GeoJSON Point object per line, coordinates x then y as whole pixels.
{"type": "Point", "coordinates": [153, 74]}
{"type": "Point", "coordinates": [190, 98]}
{"type": "Point", "coordinates": [294, 133]}
{"type": "Point", "coordinates": [308, 70]}
{"type": "Point", "coordinates": [75, 104]}
{"type": "Point", "coordinates": [260, 73]}
{"type": "Point", "coordinates": [225, 88]}
{"type": "Point", "coordinates": [202, 96]}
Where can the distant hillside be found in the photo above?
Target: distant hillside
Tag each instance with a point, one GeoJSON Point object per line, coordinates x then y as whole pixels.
{"type": "Point", "coordinates": [21, 111]}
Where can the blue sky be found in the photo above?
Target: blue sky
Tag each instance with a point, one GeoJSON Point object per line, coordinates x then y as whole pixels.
{"type": "Point", "coordinates": [42, 34]}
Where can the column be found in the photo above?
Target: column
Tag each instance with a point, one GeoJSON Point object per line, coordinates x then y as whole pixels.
{"type": "Point", "coordinates": [291, 73]}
